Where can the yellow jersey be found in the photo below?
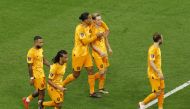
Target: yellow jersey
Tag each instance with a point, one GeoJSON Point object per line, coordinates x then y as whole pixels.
{"type": "Point", "coordinates": [57, 72]}
{"type": "Point", "coordinates": [100, 42]}
{"type": "Point", "coordinates": [35, 57]}
{"type": "Point", "coordinates": [83, 36]}
{"type": "Point", "coordinates": [154, 54]}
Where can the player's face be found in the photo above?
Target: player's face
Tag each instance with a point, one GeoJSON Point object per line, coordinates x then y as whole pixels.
{"type": "Point", "coordinates": [161, 41]}
{"type": "Point", "coordinates": [64, 58]}
{"type": "Point", "coordinates": [98, 22]}
{"type": "Point", "coordinates": [89, 20]}
{"type": "Point", "coordinates": [39, 43]}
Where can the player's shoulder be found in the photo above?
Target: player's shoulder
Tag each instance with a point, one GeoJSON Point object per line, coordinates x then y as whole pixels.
{"type": "Point", "coordinates": [54, 66]}
{"type": "Point", "coordinates": [31, 50]}
{"type": "Point", "coordinates": [153, 48]}
{"type": "Point", "coordinates": [79, 27]}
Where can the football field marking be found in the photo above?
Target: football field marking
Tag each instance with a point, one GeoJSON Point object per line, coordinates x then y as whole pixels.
{"type": "Point", "coordinates": [169, 93]}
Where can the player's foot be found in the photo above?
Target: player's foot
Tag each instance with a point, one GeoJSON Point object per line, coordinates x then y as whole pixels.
{"type": "Point", "coordinates": [141, 105]}
{"type": "Point", "coordinates": [95, 95]}
{"type": "Point", "coordinates": [103, 91]}
{"type": "Point", "coordinates": [26, 104]}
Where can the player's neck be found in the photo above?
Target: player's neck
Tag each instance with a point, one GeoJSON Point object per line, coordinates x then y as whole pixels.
{"type": "Point", "coordinates": [156, 45]}
{"type": "Point", "coordinates": [61, 63]}
{"type": "Point", "coordinates": [84, 24]}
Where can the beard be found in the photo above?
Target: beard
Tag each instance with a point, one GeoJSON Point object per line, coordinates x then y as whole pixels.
{"type": "Point", "coordinates": [38, 47]}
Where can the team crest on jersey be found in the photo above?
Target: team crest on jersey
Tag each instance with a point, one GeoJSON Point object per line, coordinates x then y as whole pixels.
{"type": "Point", "coordinates": [82, 34]}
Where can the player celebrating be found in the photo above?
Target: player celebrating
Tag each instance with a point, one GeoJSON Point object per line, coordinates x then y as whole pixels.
{"type": "Point", "coordinates": [55, 86]}
{"type": "Point", "coordinates": [35, 60]}
{"type": "Point", "coordinates": [81, 55]}
{"type": "Point", "coordinates": [99, 51]}
{"type": "Point", "coordinates": [155, 74]}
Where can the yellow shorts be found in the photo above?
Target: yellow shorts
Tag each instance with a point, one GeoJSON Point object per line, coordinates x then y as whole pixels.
{"type": "Point", "coordinates": [101, 62]}
{"type": "Point", "coordinates": [79, 62]}
{"type": "Point", "coordinates": [157, 84]}
{"type": "Point", "coordinates": [56, 95]}
{"type": "Point", "coordinates": [40, 83]}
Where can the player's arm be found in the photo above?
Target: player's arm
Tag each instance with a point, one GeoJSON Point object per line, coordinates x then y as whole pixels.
{"type": "Point", "coordinates": [86, 40]}
{"type": "Point", "coordinates": [46, 62]}
{"type": "Point", "coordinates": [106, 34]}
{"type": "Point", "coordinates": [96, 49]}
{"type": "Point", "coordinates": [156, 70]}
{"type": "Point", "coordinates": [55, 86]}
{"type": "Point", "coordinates": [30, 64]}
{"type": "Point", "coordinates": [152, 64]}
{"type": "Point", "coordinates": [108, 45]}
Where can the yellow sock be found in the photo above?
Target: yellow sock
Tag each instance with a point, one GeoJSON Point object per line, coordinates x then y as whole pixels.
{"type": "Point", "coordinates": [68, 79]}
{"type": "Point", "coordinates": [97, 75]}
{"type": "Point", "coordinates": [30, 97]}
{"type": "Point", "coordinates": [101, 81]}
{"type": "Point", "coordinates": [161, 100]}
{"type": "Point", "coordinates": [49, 103]}
{"type": "Point", "coordinates": [149, 98]}
{"type": "Point", "coordinates": [91, 82]}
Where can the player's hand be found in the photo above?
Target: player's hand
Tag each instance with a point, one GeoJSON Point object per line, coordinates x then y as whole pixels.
{"type": "Point", "coordinates": [102, 54]}
{"type": "Point", "coordinates": [110, 51]}
{"type": "Point", "coordinates": [99, 35]}
{"type": "Point", "coordinates": [161, 76]}
{"type": "Point", "coordinates": [31, 82]}
{"type": "Point", "coordinates": [63, 89]}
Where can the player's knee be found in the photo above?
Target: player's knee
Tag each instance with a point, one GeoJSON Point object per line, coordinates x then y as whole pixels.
{"type": "Point", "coordinates": [58, 105]}
{"type": "Point", "coordinates": [76, 74]}
{"type": "Point", "coordinates": [90, 70]}
{"type": "Point", "coordinates": [35, 94]}
{"type": "Point", "coordinates": [158, 93]}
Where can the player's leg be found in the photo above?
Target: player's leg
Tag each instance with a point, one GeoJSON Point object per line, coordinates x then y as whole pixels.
{"type": "Point", "coordinates": [41, 98]}
{"type": "Point", "coordinates": [27, 100]}
{"type": "Point", "coordinates": [155, 93]}
{"type": "Point", "coordinates": [100, 75]}
{"type": "Point", "coordinates": [91, 78]}
{"type": "Point", "coordinates": [77, 63]}
{"type": "Point", "coordinates": [161, 96]}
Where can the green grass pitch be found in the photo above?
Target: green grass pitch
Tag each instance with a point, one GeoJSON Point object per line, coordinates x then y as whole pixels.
{"type": "Point", "coordinates": [132, 22]}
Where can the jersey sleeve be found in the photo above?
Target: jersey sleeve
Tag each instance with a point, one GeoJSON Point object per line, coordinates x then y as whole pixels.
{"type": "Point", "coordinates": [84, 37]}
{"type": "Point", "coordinates": [105, 26]}
{"type": "Point", "coordinates": [30, 57]}
{"type": "Point", "coordinates": [52, 72]}
{"type": "Point", "coordinates": [152, 54]}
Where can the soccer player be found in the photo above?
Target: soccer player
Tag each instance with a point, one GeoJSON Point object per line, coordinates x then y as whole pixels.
{"type": "Point", "coordinates": [81, 55]}
{"type": "Point", "coordinates": [35, 60]}
{"type": "Point", "coordinates": [99, 52]}
{"type": "Point", "coordinates": [55, 86]}
{"type": "Point", "coordinates": [155, 74]}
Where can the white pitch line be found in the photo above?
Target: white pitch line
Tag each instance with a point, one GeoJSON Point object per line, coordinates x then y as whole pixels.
{"type": "Point", "coordinates": [169, 93]}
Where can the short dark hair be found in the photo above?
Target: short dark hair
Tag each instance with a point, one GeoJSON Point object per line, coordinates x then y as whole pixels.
{"type": "Point", "coordinates": [84, 16]}
{"type": "Point", "coordinates": [59, 54]}
{"type": "Point", "coordinates": [37, 37]}
{"type": "Point", "coordinates": [157, 36]}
